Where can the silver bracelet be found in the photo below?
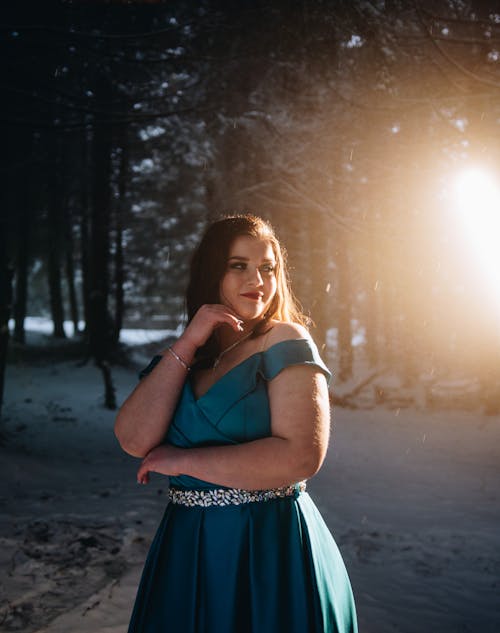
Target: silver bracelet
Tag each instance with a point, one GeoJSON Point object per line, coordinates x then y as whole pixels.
{"type": "Point", "coordinates": [179, 359]}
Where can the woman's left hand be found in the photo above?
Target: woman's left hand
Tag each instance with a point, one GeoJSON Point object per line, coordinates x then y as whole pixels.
{"type": "Point", "coordinates": [161, 459]}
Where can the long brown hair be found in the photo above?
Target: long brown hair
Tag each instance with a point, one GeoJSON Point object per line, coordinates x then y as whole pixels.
{"type": "Point", "coordinates": [209, 265]}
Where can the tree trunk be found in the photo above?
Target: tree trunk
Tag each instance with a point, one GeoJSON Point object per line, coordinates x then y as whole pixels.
{"type": "Point", "coordinates": [373, 283]}
{"type": "Point", "coordinates": [54, 278]}
{"type": "Point", "coordinates": [6, 274]}
{"type": "Point", "coordinates": [411, 327]}
{"type": "Point", "coordinates": [70, 270]}
{"type": "Point", "coordinates": [318, 268]}
{"type": "Point", "coordinates": [344, 308]}
{"type": "Point", "coordinates": [84, 254]}
{"type": "Point", "coordinates": [54, 246]}
{"type": "Point", "coordinates": [5, 306]}
{"type": "Point", "coordinates": [100, 324]}
{"type": "Point", "coordinates": [389, 323]}
{"type": "Point", "coordinates": [21, 296]}
{"type": "Point", "coordinates": [119, 276]}
{"type": "Point", "coordinates": [490, 381]}
{"type": "Point", "coordinates": [297, 242]}
{"type": "Point", "coordinates": [84, 230]}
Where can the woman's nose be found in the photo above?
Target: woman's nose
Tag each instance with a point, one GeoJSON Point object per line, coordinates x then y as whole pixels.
{"type": "Point", "coordinates": [256, 277]}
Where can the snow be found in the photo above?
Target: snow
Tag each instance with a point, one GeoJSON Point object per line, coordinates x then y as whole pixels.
{"type": "Point", "coordinates": [411, 497]}
{"type": "Point", "coordinates": [356, 41]}
{"type": "Point", "coordinates": [35, 326]}
{"type": "Point", "coordinates": [141, 337]}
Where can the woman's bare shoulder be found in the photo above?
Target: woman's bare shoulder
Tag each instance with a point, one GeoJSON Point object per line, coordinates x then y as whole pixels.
{"type": "Point", "coordinates": [282, 331]}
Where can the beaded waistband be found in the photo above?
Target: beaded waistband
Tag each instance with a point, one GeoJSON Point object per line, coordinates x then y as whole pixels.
{"type": "Point", "coordinates": [231, 496]}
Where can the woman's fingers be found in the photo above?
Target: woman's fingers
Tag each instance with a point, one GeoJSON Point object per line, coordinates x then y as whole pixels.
{"type": "Point", "coordinates": [208, 318]}
{"type": "Point", "coordinates": [233, 321]}
{"type": "Point", "coordinates": [218, 314]}
{"type": "Point", "coordinates": [143, 473]}
{"type": "Point", "coordinates": [159, 460]}
{"type": "Point", "coordinates": [147, 465]}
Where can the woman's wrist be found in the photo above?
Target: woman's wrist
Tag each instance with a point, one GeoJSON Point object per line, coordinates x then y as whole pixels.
{"type": "Point", "coordinates": [181, 461]}
{"type": "Point", "coordinates": [180, 360]}
{"type": "Point", "coordinates": [183, 351]}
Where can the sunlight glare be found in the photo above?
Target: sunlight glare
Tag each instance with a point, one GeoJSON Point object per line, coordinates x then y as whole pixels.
{"type": "Point", "coordinates": [478, 200]}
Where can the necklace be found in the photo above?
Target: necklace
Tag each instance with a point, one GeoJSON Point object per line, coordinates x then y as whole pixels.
{"type": "Point", "coordinates": [228, 349]}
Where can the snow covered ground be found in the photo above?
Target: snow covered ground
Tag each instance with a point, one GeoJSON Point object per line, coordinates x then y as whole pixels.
{"type": "Point", "coordinates": [36, 326]}
{"type": "Point", "coordinates": [411, 497]}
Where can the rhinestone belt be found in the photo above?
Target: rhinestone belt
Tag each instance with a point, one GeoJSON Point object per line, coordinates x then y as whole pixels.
{"type": "Point", "coordinates": [231, 496]}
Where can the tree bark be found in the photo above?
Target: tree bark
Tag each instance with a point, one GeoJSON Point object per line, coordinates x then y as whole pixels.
{"type": "Point", "coordinates": [54, 279]}
{"type": "Point", "coordinates": [21, 296]}
{"type": "Point", "coordinates": [6, 272]}
{"type": "Point", "coordinates": [5, 306]}
{"type": "Point", "coordinates": [99, 247]}
{"type": "Point", "coordinates": [84, 229]}
{"type": "Point", "coordinates": [70, 271]}
{"type": "Point", "coordinates": [373, 284]}
{"type": "Point", "coordinates": [490, 382]}
{"type": "Point", "coordinates": [318, 267]}
{"type": "Point", "coordinates": [119, 275]}
{"type": "Point", "coordinates": [344, 299]}
{"type": "Point", "coordinates": [5, 301]}
{"type": "Point", "coordinates": [100, 328]}
{"type": "Point", "coordinates": [54, 247]}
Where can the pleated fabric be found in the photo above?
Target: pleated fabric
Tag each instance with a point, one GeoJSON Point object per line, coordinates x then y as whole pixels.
{"type": "Point", "coordinates": [222, 570]}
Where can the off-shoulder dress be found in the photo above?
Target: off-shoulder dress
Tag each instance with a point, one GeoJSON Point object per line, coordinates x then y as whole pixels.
{"type": "Point", "coordinates": [265, 566]}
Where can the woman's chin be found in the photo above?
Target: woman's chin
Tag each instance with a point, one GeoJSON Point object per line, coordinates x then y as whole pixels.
{"type": "Point", "coordinates": [253, 320]}
{"type": "Point", "coordinates": [249, 314]}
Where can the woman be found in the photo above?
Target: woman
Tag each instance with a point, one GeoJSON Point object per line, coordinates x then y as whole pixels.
{"type": "Point", "coordinates": [236, 413]}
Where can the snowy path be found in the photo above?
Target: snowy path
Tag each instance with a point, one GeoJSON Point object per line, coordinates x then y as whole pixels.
{"type": "Point", "coordinates": [412, 500]}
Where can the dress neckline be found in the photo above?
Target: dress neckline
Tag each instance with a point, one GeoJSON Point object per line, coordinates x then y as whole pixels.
{"type": "Point", "coordinates": [238, 365]}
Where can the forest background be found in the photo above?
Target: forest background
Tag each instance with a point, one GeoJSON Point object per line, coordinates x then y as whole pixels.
{"type": "Point", "coordinates": [126, 128]}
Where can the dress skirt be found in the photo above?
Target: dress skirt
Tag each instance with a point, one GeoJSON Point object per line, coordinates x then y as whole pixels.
{"type": "Point", "coordinates": [261, 567]}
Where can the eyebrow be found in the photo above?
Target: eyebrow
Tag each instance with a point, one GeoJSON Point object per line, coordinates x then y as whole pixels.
{"type": "Point", "coordinates": [246, 259]}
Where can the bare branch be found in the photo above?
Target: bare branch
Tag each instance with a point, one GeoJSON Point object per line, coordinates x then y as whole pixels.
{"type": "Point", "coordinates": [449, 58]}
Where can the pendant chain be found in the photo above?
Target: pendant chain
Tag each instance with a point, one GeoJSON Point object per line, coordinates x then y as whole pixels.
{"type": "Point", "coordinates": [228, 349]}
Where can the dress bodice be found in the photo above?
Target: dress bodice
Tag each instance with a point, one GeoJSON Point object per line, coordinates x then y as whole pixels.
{"type": "Point", "coordinates": [236, 408]}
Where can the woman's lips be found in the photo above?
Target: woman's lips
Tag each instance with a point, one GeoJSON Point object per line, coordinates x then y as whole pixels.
{"type": "Point", "coordinates": [252, 295]}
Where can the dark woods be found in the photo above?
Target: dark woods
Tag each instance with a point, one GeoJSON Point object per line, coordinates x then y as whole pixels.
{"type": "Point", "coordinates": [126, 127]}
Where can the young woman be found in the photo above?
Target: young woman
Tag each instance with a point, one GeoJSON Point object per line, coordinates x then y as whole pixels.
{"type": "Point", "coordinates": [236, 413]}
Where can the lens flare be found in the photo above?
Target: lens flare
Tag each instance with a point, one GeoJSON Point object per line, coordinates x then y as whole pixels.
{"type": "Point", "coordinates": [478, 202]}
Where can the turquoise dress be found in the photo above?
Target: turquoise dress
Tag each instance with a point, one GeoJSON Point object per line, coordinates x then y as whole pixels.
{"type": "Point", "coordinates": [260, 567]}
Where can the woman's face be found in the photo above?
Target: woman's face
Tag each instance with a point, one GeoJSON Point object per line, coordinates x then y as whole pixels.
{"type": "Point", "coordinates": [249, 283]}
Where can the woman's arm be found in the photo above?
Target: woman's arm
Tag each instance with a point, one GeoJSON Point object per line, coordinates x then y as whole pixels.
{"type": "Point", "coordinates": [300, 423]}
{"type": "Point", "coordinates": [144, 417]}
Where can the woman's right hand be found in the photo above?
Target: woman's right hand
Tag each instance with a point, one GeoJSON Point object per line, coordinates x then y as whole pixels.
{"type": "Point", "coordinates": [144, 418]}
{"type": "Point", "coordinates": [208, 318]}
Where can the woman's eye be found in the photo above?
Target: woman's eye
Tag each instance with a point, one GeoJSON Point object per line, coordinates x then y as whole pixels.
{"type": "Point", "coordinates": [265, 268]}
